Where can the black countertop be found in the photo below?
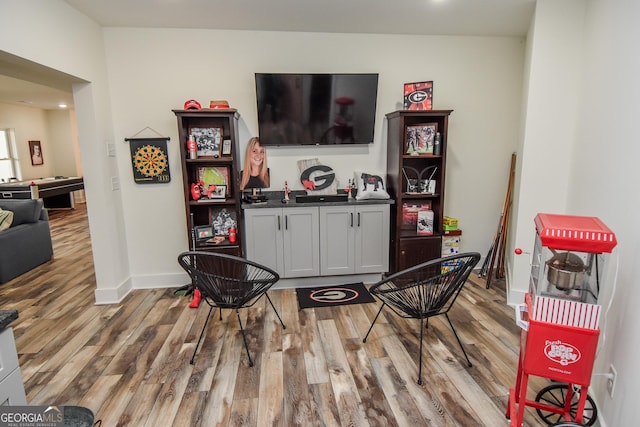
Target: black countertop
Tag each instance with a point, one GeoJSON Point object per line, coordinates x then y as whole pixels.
{"type": "Point", "coordinates": [6, 317]}
{"type": "Point", "coordinates": [275, 200]}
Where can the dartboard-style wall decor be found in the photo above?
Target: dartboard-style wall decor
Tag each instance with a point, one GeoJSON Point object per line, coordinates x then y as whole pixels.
{"type": "Point", "coordinates": [150, 160]}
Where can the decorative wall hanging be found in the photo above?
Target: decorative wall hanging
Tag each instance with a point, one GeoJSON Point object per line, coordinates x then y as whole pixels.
{"type": "Point", "coordinates": [36, 153]}
{"type": "Point", "coordinates": [317, 178]}
{"type": "Point", "coordinates": [150, 159]}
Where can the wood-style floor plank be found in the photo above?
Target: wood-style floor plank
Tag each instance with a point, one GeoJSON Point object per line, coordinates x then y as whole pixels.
{"type": "Point", "coordinates": [129, 362]}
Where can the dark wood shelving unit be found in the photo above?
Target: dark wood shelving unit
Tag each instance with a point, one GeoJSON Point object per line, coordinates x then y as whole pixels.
{"type": "Point", "coordinates": [203, 212]}
{"type": "Point", "coordinates": [407, 246]}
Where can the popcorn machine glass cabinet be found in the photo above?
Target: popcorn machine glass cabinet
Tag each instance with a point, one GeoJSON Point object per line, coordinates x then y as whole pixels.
{"type": "Point", "coordinates": [568, 257]}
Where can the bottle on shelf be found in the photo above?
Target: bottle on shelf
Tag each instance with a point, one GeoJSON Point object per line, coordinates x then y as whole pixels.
{"type": "Point", "coordinates": [437, 147]}
{"type": "Point", "coordinates": [192, 148]}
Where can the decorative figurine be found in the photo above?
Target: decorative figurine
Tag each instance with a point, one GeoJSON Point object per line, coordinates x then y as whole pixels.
{"type": "Point", "coordinates": [286, 191]}
{"type": "Point", "coordinates": [348, 190]}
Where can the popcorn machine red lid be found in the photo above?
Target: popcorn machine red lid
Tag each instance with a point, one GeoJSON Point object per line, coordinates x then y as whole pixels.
{"type": "Point", "coordinates": [574, 233]}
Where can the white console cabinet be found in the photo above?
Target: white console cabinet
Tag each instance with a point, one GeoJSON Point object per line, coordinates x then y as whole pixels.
{"type": "Point", "coordinates": [284, 239]}
{"type": "Point", "coordinates": [319, 241]}
{"type": "Point", "coordinates": [354, 239]}
{"type": "Point", "coordinates": [11, 387]}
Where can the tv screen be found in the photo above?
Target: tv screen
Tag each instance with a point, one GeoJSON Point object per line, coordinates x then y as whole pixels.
{"type": "Point", "coordinates": [316, 109]}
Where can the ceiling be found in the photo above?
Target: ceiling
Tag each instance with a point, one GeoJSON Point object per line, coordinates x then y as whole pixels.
{"type": "Point", "coordinates": [413, 17]}
{"type": "Point", "coordinates": [442, 17]}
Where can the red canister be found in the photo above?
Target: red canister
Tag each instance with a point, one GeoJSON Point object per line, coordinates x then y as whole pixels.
{"type": "Point", "coordinates": [192, 147]}
{"type": "Point", "coordinates": [232, 235]}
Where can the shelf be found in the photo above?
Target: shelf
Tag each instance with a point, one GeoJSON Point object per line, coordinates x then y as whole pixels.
{"type": "Point", "coordinates": [421, 156]}
{"type": "Point", "coordinates": [224, 160]}
{"type": "Point", "coordinates": [414, 234]}
{"type": "Point", "coordinates": [225, 244]}
{"type": "Point", "coordinates": [408, 247]}
{"type": "Point", "coordinates": [213, 202]}
{"type": "Point", "coordinates": [408, 196]}
{"type": "Point", "coordinates": [203, 212]}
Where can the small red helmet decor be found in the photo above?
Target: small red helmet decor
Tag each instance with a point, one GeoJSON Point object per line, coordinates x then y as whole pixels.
{"type": "Point", "coordinates": [195, 191]}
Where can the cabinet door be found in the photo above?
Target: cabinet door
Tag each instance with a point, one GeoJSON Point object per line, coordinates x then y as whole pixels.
{"type": "Point", "coordinates": [372, 239]}
{"type": "Point", "coordinates": [263, 235]}
{"type": "Point", "coordinates": [301, 246]}
{"type": "Point", "coordinates": [337, 240]}
{"type": "Point", "coordinates": [415, 251]}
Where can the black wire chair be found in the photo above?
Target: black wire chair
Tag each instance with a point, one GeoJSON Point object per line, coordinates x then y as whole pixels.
{"type": "Point", "coordinates": [425, 290]}
{"type": "Point", "coordinates": [227, 281]}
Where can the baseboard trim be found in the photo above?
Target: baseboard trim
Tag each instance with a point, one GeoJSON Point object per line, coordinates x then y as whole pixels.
{"type": "Point", "coordinates": [174, 280]}
{"type": "Point", "coordinates": [113, 295]}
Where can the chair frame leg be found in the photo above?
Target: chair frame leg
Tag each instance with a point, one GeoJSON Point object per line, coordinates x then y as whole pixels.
{"type": "Point", "coordinates": [372, 323]}
{"type": "Point", "coordinates": [420, 358]}
{"type": "Point", "coordinates": [244, 338]}
{"type": "Point", "coordinates": [193, 358]}
{"type": "Point", "coordinates": [459, 342]}
{"type": "Point", "coordinates": [274, 309]}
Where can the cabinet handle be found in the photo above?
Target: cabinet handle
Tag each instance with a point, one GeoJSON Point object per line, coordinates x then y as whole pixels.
{"type": "Point", "coordinates": [286, 222]}
{"type": "Point", "coordinates": [279, 228]}
{"type": "Point", "coordinates": [358, 219]}
{"type": "Point", "coordinates": [351, 219]}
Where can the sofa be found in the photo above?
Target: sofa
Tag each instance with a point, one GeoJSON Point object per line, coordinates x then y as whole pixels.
{"type": "Point", "coordinates": [27, 242]}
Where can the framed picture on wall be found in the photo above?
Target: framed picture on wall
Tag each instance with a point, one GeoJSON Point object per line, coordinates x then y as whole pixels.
{"type": "Point", "coordinates": [36, 153]}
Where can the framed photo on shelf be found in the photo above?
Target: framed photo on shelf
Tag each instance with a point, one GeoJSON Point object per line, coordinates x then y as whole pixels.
{"type": "Point", "coordinates": [208, 141]}
{"type": "Point", "coordinates": [218, 192]}
{"type": "Point", "coordinates": [222, 220]}
{"type": "Point", "coordinates": [213, 175]}
{"type": "Point", "coordinates": [226, 147]}
{"type": "Point", "coordinates": [418, 96]}
{"type": "Point", "coordinates": [203, 232]}
{"type": "Point", "coordinates": [419, 138]}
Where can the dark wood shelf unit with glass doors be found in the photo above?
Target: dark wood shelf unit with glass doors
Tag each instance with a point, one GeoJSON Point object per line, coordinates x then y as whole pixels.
{"type": "Point", "coordinates": [204, 211]}
{"type": "Point", "coordinates": [407, 246]}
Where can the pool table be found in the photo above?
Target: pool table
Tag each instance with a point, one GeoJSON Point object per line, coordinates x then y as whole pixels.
{"type": "Point", "coordinates": [55, 192]}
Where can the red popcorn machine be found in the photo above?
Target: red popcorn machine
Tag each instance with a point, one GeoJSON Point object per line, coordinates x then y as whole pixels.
{"type": "Point", "coordinates": [559, 318]}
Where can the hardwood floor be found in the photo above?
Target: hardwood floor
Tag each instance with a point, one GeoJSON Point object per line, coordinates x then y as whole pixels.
{"type": "Point", "coordinates": [129, 362]}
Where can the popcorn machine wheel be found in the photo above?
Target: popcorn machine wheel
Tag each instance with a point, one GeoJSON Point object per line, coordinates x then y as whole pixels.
{"type": "Point", "coordinates": [559, 319]}
{"type": "Point", "coordinates": [552, 402]}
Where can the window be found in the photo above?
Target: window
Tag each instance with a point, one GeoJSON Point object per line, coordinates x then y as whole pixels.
{"type": "Point", "coordinates": [9, 164]}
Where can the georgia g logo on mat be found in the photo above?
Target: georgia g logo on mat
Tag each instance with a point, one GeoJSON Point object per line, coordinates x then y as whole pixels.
{"type": "Point", "coordinates": [334, 295]}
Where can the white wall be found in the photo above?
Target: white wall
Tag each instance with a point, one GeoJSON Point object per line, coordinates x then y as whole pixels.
{"type": "Point", "coordinates": [152, 71]}
{"type": "Point", "coordinates": [581, 108]}
{"type": "Point", "coordinates": [552, 96]}
{"type": "Point", "coordinates": [51, 33]}
{"type": "Point", "coordinates": [55, 129]}
{"type": "Point", "coordinates": [29, 124]}
{"type": "Point", "coordinates": [137, 232]}
{"type": "Point", "coordinates": [64, 140]}
{"type": "Point", "coordinates": [602, 180]}
{"type": "Point", "coordinates": [580, 140]}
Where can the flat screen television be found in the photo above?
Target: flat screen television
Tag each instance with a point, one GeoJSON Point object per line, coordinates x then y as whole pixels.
{"type": "Point", "coordinates": [316, 109]}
